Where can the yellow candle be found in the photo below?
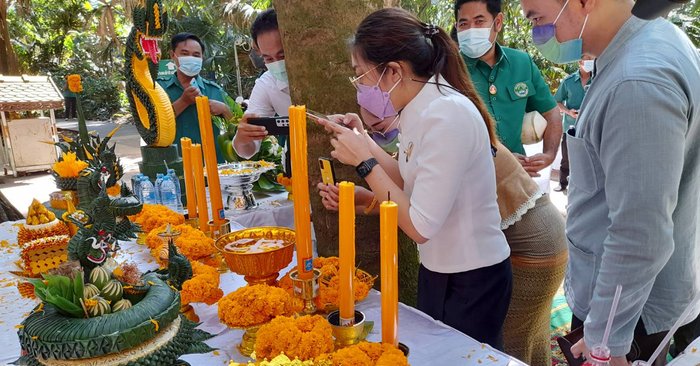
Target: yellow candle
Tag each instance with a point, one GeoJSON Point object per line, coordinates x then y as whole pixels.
{"type": "Point", "coordinates": [300, 187]}
{"type": "Point", "coordinates": [209, 150]}
{"type": "Point", "coordinates": [186, 146]}
{"type": "Point", "coordinates": [346, 238]}
{"type": "Point", "coordinates": [201, 195]}
{"type": "Point", "coordinates": [388, 223]}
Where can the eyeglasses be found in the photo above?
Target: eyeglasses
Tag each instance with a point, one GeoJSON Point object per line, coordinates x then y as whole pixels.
{"type": "Point", "coordinates": [354, 80]}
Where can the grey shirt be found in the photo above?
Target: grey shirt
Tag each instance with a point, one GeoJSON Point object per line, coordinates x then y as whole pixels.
{"type": "Point", "coordinates": [634, 208]}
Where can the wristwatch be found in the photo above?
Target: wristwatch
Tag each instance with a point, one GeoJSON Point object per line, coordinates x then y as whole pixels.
{"type": "Point", "coordinates": [366, 167]}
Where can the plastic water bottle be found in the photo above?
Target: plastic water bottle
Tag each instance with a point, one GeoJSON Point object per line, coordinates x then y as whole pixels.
{"type": "Point", "coordinates": [173, 176]}
{"type": "Point", "coordinates": [136, 185]}
{"type": "Point", "coordinates": [148, 191]}
{"type": "Point", "coordinates": [159, 181]}
{"type": "Point", "coordinates": [168, 194]}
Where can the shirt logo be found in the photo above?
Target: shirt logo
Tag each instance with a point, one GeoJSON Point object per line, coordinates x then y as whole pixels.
{"type": "Point", "coordinates": [521, 89]}
{"type": "Point", "coordinates": [408, 151]}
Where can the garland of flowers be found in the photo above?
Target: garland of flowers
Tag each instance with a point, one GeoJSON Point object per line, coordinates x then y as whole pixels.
{"type": "Point", "coordinates": [305, 337]}
{"type": "Point", "coordinates": [329, 283]}
{"type": "Point", "coordinates": [192, 243]}
{"type": "Point", "coordinates": [203, 286]}
{"type": "Point", "coordinates": [153, 216]}
{"type": "Point", "coordinates": [365, 354]}
{"type": "Point", "coordinates": [255, 305]}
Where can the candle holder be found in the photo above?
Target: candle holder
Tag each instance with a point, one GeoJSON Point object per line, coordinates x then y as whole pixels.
{"type": "Point", "coordinates": [217, 231]}
{"type": "Point", "coordinates": [169, 235]}
{"type": "Point", "coordinates": [404, 348]}
{"type": "Point", "coordinates": [307, 290]}
{"type": "Point", "coordinates": [247, 345]}
{"type": "Point", "coordinates": [347, 335]}
{"type": "Point", "coordinates": [189, 313]}
{"type": "Point", "coordinates": [193, 222]}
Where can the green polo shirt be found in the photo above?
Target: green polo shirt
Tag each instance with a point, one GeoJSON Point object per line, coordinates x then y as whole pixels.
{"type": "Point", "coordinates": [187, 123]}
{"type": "Point", "coordinates": [513, 87]}
{"type": "Point", "coordinates": [571, 94]}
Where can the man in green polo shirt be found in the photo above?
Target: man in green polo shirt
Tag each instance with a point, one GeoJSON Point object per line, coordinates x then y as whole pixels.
{"type": "Point", "coordinates": [569, 97]}
{"type": "Point", "coordinates": [508, 81]}
{"type": "Point", "coordinates": [187, 51]}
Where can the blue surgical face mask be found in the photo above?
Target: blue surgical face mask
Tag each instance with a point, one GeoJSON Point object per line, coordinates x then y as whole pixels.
{"type": "Point", "coordinates": [278, 69]}
{"type": "Point", "coordinates": [475, 42]}
{"type": "Point", "coordinates": [544, 38]}
{"type": "Point", "coordinates": [190, 65]}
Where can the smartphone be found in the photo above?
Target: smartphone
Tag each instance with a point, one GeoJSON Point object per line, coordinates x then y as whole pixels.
{"type": "Point", "coordinates": [316, 116]}
{"type": "Point", "coordinates": [327, 172]}
{"type": "Point", "coordinates": [273, 125]}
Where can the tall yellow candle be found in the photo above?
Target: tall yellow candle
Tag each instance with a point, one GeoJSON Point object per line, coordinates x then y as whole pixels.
{"type": "Point", "coordinates": [300, 187]}
{"type": "Point", "coordinates": [209, 150]}
{"type": "Point", "coordinates": [186, 146]}
{"type": "Point", "coordinates": [388, 225]}
{"type": "Point", "coordinates": [346, 238]}
{"type": "Point", "coordinates": [201, 194]}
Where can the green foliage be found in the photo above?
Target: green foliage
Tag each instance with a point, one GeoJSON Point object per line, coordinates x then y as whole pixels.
{"type": "Point", "coordinates": [688, 19]}
{"type": "Point", "coordinates": [62, 292]}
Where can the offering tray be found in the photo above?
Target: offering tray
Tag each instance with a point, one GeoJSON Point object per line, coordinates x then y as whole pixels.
{"type": "Point", "coordinates": [237, 181]}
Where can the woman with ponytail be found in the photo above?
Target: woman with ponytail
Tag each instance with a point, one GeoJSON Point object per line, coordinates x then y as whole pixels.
{"type": "Point", "coordinates": [411, 79]}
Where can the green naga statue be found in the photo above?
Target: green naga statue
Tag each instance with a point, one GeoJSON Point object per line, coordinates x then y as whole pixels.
{"type": "Point", "coordinates": [150, 104]}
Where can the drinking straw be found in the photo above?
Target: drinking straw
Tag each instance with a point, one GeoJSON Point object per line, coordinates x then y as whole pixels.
{"type": "Point", "coordinates": [613, 310]}
{"type": "Point", "coordinates": [673, 330]}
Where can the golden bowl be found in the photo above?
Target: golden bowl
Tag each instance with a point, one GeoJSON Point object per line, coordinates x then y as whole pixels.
{"type": "Point", "coordinates": [259, 267]}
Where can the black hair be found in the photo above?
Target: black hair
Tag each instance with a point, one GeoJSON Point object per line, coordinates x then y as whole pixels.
{"type": "Point", "coordinates": [183, 37]}
{"type": "Point", "coordinates": [493, 6]}
{"type": "Point", "coordinates": [264, 22]}
{"type": "Point", "coordinates": [394, 34]}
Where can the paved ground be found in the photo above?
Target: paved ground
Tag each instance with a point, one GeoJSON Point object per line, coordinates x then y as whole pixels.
{"type": "Point", "coordinates": [21, 190]}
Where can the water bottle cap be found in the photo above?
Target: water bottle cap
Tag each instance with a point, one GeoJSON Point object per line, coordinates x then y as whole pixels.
{"type": "Point", "coordinates": [159, 175]}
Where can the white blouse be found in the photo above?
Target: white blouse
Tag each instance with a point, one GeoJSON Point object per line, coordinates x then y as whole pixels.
{"type": "Point", "coordinates": [448, 171]}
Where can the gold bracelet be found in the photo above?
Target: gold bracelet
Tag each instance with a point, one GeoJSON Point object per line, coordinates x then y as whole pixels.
{"type": "Point", "coordinates": [371, 206]}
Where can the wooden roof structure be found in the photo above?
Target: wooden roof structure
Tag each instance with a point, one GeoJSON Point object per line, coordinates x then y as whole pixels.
{"type": "Point", "coordinates": [29, 93]}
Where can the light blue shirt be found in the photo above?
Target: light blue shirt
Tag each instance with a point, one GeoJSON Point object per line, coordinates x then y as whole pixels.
{"type": "Point", "coordinates": [634, 207]}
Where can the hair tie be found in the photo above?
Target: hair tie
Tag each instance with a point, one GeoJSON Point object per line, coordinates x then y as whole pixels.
{"type": "Point", "coordinates": [431, 30]}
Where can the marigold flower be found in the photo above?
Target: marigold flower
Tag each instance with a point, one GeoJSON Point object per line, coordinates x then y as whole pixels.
{"type": "Point", "coordinates": [305, 337]}
{"type": "Point", "coordinates": [192, 243]}
{"type": "Point", "coordinates": [255, 305]}
{"type": "Point", "coordinates": [74, 83]}
{"type": "Point", "coordinates": [153, 216]}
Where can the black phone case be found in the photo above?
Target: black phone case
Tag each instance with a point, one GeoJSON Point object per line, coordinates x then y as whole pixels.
{"type": "Point", "coordinates": [273, 125]}
{"type": "Point", "coordinates": [567, 341]}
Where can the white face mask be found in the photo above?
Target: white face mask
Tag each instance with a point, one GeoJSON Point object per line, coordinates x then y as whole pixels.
{"type": "Point", "coordinates": [475, 42]}
{"type": "Point", "coordinates": [588, 65]}
{"type": "Point", "coordinates": [278, 69]}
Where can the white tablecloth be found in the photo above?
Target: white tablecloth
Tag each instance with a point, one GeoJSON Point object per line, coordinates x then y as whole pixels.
{"type": "Point", "coordinates": [273, 210]}
{"type": "Point", "coordinates": [430, 342]}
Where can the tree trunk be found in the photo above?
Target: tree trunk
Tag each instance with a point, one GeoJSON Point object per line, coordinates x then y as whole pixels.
{"type": "Point", "coordinates": [315, 34]}
{"type": "Point", "coordinates": [8, 59]}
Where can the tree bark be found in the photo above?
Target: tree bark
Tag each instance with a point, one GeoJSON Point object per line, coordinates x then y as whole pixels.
{"type": "Point", "coordinates": [315, 34]}
{"type": "Point", "coordinates": [8, 59]}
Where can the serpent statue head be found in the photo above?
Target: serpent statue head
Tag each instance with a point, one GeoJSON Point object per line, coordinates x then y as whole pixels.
{"type": "Point", "coordinates": [150, 24]}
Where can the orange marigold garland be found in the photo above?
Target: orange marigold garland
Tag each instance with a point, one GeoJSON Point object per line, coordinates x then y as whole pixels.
{"type": "Point", "coordinates": [255, 305]}
{"type": "Point", "coordinates": [153, 216]}
{"type": "Point", "coordinates": [192, 243]}
{"type": "Point", "coordinates": [367, 354]}
{"type": "Point", "coordinates": [329, 283]}
{"type": "Point", "coordinates": [305, 337]}
{"type": "Point", "coordinates": [203, 286]}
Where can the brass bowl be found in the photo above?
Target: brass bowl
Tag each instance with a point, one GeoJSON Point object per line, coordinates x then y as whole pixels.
{"type": "Point", "coordinates": [263, 267]}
